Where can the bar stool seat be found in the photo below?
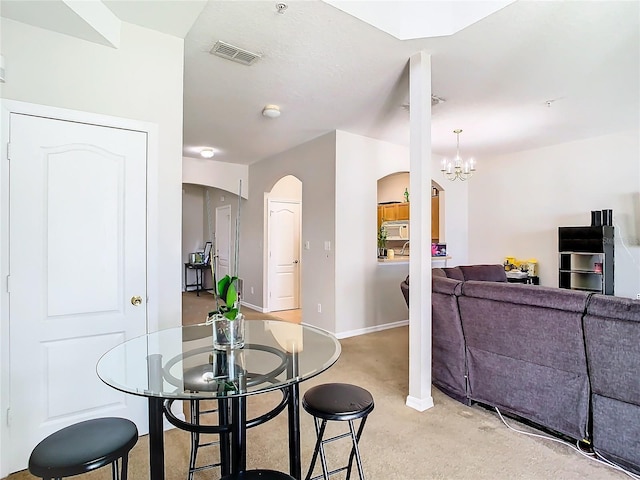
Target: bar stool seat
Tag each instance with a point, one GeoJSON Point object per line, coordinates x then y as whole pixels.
{"type": "Point", "coordinates": [83, 447]}
{"type": "Point", "coordinates": [258, 475]}
{"type": "Point", "coordinates": [337, 402]}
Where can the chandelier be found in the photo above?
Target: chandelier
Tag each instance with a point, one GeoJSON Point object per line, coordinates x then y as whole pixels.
{"type": "Point", "coordinates": [458, 168]}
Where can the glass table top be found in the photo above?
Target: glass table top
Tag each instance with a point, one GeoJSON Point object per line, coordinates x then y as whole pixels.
{"type": "Point", "coordinates": [181, 362]}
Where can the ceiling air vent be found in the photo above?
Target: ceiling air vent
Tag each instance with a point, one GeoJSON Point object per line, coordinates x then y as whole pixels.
{"type": "Point", "coordinates": [225, 50]}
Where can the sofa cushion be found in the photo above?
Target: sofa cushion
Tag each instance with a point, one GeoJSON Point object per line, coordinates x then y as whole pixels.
{"type": "Point", "coordinates": [438, 272]}
{"type": "Point", "coordinates": [612, 337]}
{"type": "Point", "coordinates": [453, 272]}
{"type": "Point", "coordinates": [446, 286]}
{"type": "Point", "coordinates": [534, 295]}
{"type": "Point", "coordinates": [525, 352]}
{"type": "Point", "coordinates": [449, 364]}
{"type": "Point", "coordinates": [615, 431]}
{"type": "Point", "coordinates": [486, 273]}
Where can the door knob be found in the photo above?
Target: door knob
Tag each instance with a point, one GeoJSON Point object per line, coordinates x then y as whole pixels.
{"type": "Point", "coordinates": [295, 261]}
{"type": "Point", "coordinates": [137, 300]}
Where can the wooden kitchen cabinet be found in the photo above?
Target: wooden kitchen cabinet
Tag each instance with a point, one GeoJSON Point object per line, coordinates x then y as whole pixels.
{"type": "Point", "coordinates": [393, 211]}
{"type": "Point", "coordinates": [389, 212]}
{"type": "Point", "coordinates": [435, 219]}
{"type": "Point", "coordinates": [403, 211]}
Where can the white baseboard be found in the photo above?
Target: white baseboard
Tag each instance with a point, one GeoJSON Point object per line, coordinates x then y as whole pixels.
{"type": "Point", "coordinates": [419, 404]}
{"type": "Point", "coordinates": [377, 328]}
{"type": "Point", "coordinates": [253, 307]}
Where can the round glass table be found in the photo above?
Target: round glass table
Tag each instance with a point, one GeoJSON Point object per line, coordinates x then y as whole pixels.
{"type": "Point", "coordinates": [181, 364]}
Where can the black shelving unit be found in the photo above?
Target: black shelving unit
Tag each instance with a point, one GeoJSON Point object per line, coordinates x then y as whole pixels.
{"type": "Point", "coordinates": [586, 258]}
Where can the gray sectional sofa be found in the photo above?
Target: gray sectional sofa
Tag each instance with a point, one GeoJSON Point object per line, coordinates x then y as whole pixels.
{"type": "Point", "coordinates": [612, 338]}
{"type": "Point", "coordinates": [565, 360]}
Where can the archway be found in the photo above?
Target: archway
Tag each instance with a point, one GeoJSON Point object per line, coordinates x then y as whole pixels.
{"type": "Point", "coordinates": [391, 196]}
{"type": "Point", "coordinates": [283, 250]}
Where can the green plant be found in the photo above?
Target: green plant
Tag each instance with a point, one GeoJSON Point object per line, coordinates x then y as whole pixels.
{"type": "Point", "coordinates": [382, 237]}
{"type": "Point", "coordinates": [227, 290]}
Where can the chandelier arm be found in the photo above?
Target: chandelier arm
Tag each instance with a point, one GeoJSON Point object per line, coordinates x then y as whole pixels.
{"type": "Point", "coordinates": [457, 168]}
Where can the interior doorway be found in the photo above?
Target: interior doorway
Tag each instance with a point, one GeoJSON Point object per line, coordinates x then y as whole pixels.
{"type": "Point", "coordinates": [283, 249]}
{"type": "Point", "coordinates": [67, 166]}
{"type": "Point", "coordinates": [222, 257]}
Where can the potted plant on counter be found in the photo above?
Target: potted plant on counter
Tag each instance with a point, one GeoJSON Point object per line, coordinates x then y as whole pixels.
{"type": "Point", "coordinates": [382, 242]}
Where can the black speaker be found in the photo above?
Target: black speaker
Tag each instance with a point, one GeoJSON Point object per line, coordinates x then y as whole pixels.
{"type": "Point", "coordinates": [607, 217]}
{"type": "Point", "coordinates": [596, 218]}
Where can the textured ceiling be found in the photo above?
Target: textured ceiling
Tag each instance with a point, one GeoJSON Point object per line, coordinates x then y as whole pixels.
{"type": "Point", "coordinates": [328, 70]}
{"type": "Point", "coordinates": [532, 74]}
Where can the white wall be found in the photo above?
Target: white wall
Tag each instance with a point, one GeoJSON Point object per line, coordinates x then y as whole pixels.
{"type": "Point", "coordinates": [518, 201]}
{"type": "Point", "coordinates": [313, 163]}
{"type": "Point", "coordinates": [193, 226]}
{"type": "Point", "coordinates": [287, 188]}
{"type": "Point", "coordinates": [48, 68]}
{"type": "Point", "coordinates": [212, 173]}
{"type": "Point", "coordinates": [391, 188]}
{"type": "Point", "coordinates": [367, 294]}
{"type": "Point", "coordinates": [129, 82]}
{"type": "Point", "coordinates": [454, 223]}
{"type": "Point", "coordinates": [340, 169]}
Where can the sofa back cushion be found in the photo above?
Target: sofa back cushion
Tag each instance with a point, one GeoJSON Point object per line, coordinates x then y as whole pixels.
{"type": "Point", "coordinates": [448, 364]}
{"type": "Point", "coordinates": [612, 338]}
{"type": "Point", "coordinates": [438, 272]}
{"type": "Point", "coordinates": [525, 352]}
{"type": "Point", "coordinates": [485, 273]}
{"type": "Point", "coordinates": [453, 272]}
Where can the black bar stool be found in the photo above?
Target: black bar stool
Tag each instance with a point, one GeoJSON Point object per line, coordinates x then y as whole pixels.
{"type": "Point", "coordinates": [83, 447]}
{"type": "Point", "coordinates": [338, 402]}
{"type": "Point", "coordinates": [221, 438]}
{"type": "Point", "coordinates": [258, 475]}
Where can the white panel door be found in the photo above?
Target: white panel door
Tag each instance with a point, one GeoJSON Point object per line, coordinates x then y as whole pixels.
{"type": "Point", "coordinates": [77, 257]}
{"type": "Point", "coordinates": [284, 255]}
{"type": "Point", "coordinates": [223, 242]}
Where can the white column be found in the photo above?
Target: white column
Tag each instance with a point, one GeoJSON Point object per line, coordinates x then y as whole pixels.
{"type": "Point", "coordinates": [419, 396]}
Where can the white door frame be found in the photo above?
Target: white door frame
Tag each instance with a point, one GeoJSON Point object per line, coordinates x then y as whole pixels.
{"type": "Point", "coordinates": [6, 108]}
{"type": "Point", "coordinates": [268, 268]}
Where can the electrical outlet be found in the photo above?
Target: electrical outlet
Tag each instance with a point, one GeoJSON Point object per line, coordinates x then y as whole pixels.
{"type": "Point", "coordinates": [319, 308]}
{"type": "Point", "coordinates": [251, 290]}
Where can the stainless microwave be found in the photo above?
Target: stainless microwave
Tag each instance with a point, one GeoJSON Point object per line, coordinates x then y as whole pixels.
{"type": "Point", "coordinates": [398, 230]}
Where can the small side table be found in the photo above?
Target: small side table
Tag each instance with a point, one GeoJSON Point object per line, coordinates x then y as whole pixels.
{"type": "Point", "coordinates": [199, 268]}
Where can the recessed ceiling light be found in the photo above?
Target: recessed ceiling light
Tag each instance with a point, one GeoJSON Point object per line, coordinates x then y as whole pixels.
{"type": "Point", "coordinates": [207, 152]}
{"type": "Point", "coordinates": [271, 111]}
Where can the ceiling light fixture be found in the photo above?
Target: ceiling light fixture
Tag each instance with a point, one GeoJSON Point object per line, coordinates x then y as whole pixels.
{"type": "Point", "coordinates": [271, 111]}
{"type": "Point", "coordinates": [207, 152]}
{"type": "Point", "coordinates": [458, 168]}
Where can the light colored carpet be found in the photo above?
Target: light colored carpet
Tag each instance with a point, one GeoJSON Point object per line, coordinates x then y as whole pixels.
{"type": "Point", "coordinates": [447, 442]}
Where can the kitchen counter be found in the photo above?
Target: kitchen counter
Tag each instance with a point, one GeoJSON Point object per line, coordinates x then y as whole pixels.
{"type": "Point", "coordinates": [404, 260]}
{"type": "Point", "coordinates": [397, 260]}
